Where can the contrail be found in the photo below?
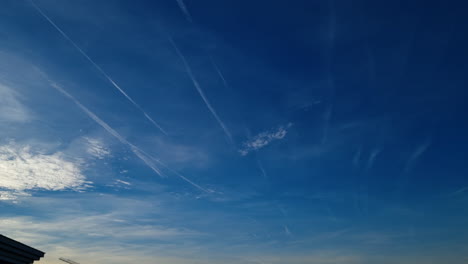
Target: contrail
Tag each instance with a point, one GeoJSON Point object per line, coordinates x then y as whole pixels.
{"type": "Point", "coordinates": [142, 155]}
{"type": "Point", "coordinates": [139, 153]}
{"type": "Point", "coordinates": [220, 74]}
{"type": "Point", "coordinates": [200, 91]}
{"type": "Point", "coordinates": [262, 170]}
{"type": "Point", "coordinates": [184, 10]}
{"type": "Point", "coordinates": [184, 178]}
{"type": "Point", "coordinates": [97, 67]}
{"type": "Point", "coordinates": [177, 173]}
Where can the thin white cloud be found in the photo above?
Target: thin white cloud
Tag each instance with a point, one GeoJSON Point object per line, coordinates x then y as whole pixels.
{"type": "Point", "coordinates": [200, 91]}
{"type": "Point", "coordinates": [263, 139]}
{"type": "Point", "coordinates": [11, 109]}
{"type": "Point", "coordinates": [95, 226]}
{"type": "Point", "coordinates": [180, 155]}
{"type": "Point", "coordinates": [123, 182]}
{"type": "Point", "coordinates": [327, 115]}
{"type": "Point", "coordinates": [12, 195]}
{"type": "Point", "coordinates": [460, 191]}
{"type": "Point", "coordinates": [372, 156]}
{"type": "Point", "coordinates": [184, 9]}
{"type": "Point", "coordinates": [357, 157]}
{"type": "Point", "coordinates": [22, 169]}
{"type": "Point", "coordinates": [416, 154]}
{"type": "Point", "coordinates": [96, 148]}
{"type": "Point", "coordinates": [97, 67]}
{"type": "Point", "coordinates": [94, 238]}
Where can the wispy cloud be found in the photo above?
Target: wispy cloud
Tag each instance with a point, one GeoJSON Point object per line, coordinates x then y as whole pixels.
{"type": "Point", "coordinates": [200, 91]}
{"type": "Point", "coordinates": [79, 234]}
{"type": "Point", "coordinates": [97, 66]}
{"type": "Point", "coordinates": [416, 154]}
{"type": "Point", "coordinates": [372, 156]}
{"type": "Point", "coordinates": [326, 125]}
{"type": "Point", "coordinates": [12, 195]}
{"type": "Point", "coordinates": [96, 148]}
{"type": "Point", "coordinates": [181, 155]}
{"type": "Point", "coordinates": [184, 9]}
{"type": "Point", "coordinates": [22, 170]}
{"type": "Point", "coordinates": [357, 157]}
{"type": "Point", "coordinates": [11, 109]}
{"type": "Point", "coordinates": [263, 139]}
{"type": "Point", "coordinates": [460, 191]}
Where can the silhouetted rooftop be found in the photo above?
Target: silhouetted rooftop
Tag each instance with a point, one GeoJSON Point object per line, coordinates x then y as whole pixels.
{"type": "Point", "coordinates": [14, 252]}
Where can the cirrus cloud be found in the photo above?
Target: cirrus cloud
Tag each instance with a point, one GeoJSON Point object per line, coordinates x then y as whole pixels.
{"type": "Point", "coordinates": [263, 139]}
{"type": "Point", "coordinates": [11, 109]}
{"type": "Point", "coordinates": [22, 169]}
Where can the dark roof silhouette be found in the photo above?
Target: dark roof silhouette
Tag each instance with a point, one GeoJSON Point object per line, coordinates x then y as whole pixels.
{"type": "Point", "coordinates": [14, 252]}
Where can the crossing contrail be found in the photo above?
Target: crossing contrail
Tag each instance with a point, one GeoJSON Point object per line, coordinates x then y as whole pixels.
{"type": "Point", "coordinates": [200, 91]}
{"type": "Point", "coordinates": [184, 178]}
{"type": "Point", "coordinates": [139, 153]}
{"type": "Point", "coordinates": [97, 67]}
{"type": "Point", "coordinates": [142, 155]}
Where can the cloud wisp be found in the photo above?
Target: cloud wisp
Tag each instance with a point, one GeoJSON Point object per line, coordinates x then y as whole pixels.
{"type": "Point", "coordinates": [357, 157]}
{"type": "Point", "coordinates": [22, 170]}
{"type": "Point", "coordinates": [263, 139]}
{"type": "Point", "coordinates": [11, 109]}
{"type": "Point", "coordinates": [420, 150]}
{"type": "Point", "coordinates": [143, 156]}
{"type": "Point", "coordinates": [200, 91]}
{"type": "Point", "coordinates": [96, 148]}
{"type": "Point", "coordinates": [97, 67]}
{"type": "Point", "coordinates": [372, 156]}
{"type": "Point", "coordinates": [184, 9]}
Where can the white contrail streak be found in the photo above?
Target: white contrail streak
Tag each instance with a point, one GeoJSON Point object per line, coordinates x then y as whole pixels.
{"type": "Point", "coordinates": [184, 178]}
{"type": "Point", "coordinates": [97, 67]}
{"type": "Point", "coordinates": [143, 156]}
{"type": "Point", "coordinates": [177, 173]}
{"type": "Point", "coordinates": [200, 91]}
{"type": "Point", "coordinates": [139, 153]}
{"type": "Point", "coordinates": [184, 10]}
{"type": "Point", "coordinates": [220, 74]}
{"type": "Point", "coordinates": [262, 170]}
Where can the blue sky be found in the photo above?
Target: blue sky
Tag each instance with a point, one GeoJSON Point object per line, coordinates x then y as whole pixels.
{"type": "Point", "coordinates": [257, 132]}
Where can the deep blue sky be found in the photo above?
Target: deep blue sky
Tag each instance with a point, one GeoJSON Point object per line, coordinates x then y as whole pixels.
{"type": "Point", "coordinates": [183, 131]}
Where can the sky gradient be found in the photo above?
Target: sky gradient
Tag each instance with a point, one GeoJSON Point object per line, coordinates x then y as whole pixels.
{"type": "Point", "coordinates": [256, 132]}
